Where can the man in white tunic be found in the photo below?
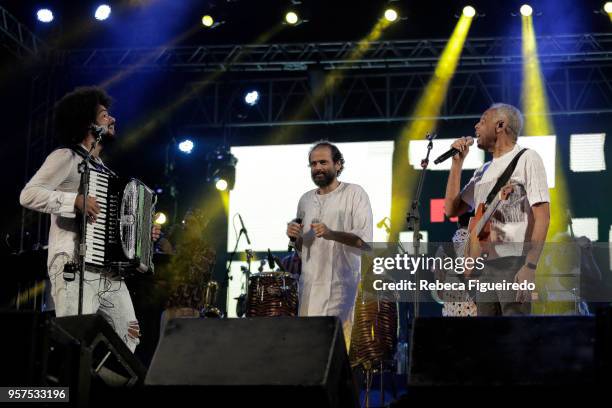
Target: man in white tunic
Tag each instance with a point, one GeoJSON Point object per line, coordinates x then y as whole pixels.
{"type": "Point", "coordinates": [334, 224]}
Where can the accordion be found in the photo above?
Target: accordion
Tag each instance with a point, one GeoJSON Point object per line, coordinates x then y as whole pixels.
{"type": "Point", "coordinates": [120, 239]}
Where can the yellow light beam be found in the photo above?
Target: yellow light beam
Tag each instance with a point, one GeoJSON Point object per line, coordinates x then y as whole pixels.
{"type": "Point", "coordinates": [160, 116]}
{"type": "Point", "coordinates": [538, 123]}
{"type": "Point", "coordinates": [148, 57]}
{"type": "Point", "coordinates": [332, 80]}
{"type": "Point", "coordinates": [424, 119]}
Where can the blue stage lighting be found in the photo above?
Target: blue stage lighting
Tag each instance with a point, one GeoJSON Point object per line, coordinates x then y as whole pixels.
{"type": "Point", "coordinates": [186, 146]}
{"type": "Point", "coordinates": [102, 12]}
{"type": "Point", "coordinates": [44, 15]}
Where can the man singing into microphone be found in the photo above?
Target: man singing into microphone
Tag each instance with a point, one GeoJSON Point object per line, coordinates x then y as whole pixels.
{"type": "Point", "coordinates": [79, 116]}
{"type": "Point", "coordinates": [336, 225]}
{"type": "Point", "coordinates": [523, 217]}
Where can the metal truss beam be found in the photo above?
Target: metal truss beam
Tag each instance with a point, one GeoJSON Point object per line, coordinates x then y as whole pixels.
{"type": "Point", "coordinates": [17, 37]}
{"type": "Point", "coordinates": [406, 54]}
{"type": "Point", "coordinates": [389, 97]}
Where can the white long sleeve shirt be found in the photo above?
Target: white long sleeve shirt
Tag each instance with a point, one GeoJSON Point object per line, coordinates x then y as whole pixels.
{"type": "Point", "coordinates": [53, 190]}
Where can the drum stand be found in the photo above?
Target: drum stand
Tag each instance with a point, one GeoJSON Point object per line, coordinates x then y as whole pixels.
{"type": "Point", "coordinates": [383, 367]}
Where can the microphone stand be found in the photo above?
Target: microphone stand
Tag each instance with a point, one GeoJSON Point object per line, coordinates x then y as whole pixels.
{"type": "Point", "coordinates": [229, 265]}
{"type": "Point", "coordinates": [83, 169]}
{"type": "Point", "coordinates": [414, 225]}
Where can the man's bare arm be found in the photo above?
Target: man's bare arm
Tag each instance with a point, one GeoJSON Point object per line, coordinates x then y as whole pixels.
{"type": "Point", "coordinates": [541, 215]}
{"type": "Point", "coordinates": [453, 204]}
{"type": "Point", "coordinates": [346, 238]}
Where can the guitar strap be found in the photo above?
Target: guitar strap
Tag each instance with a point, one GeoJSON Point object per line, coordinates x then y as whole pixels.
{"type": "Point", "coordinates": [503, 179]}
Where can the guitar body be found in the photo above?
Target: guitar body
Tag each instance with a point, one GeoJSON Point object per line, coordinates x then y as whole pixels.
{"type": "Point", "coordinates": [477, 243]}
{"type": "Point", "coordinates": [479, 229]}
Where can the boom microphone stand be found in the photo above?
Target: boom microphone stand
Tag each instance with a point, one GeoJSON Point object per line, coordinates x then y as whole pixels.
{"type": "Point", "coordinates": [414, 223]}
{"type": "Point", "coordinates": [84, 189]}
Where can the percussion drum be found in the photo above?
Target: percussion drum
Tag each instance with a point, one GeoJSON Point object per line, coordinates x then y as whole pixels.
{"type": "Point", "coordinates": [272, 294]}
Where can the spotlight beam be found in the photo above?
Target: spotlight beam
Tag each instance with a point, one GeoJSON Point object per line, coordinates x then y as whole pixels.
{"type": "Point", "coordinates": [538, 123]}
{"type": "Point", "coordinates": [427, 107]}
{"type": "Point", "coordinates": [538, 120]}
{"type": "Point", "coordinates": [160, 116]}
{"type": "Point", "coordinates": [332, 80]}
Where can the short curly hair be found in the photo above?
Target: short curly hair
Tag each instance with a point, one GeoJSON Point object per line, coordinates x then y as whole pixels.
{"type": "Point", "coordinates": [76, 111]}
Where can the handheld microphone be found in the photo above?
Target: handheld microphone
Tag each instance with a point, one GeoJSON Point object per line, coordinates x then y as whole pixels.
{"type": "Point", "coordinates": [452, 151]}
{"type": "Point", "coordinates": [246, 234]}
{"type": "Point", "coordinates": [298, 220]}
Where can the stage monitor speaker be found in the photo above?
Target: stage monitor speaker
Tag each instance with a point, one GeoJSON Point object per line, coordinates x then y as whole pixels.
{"type": "Point", "coordinates": [111, 360]}
{"type": "Point", "coordinates": [504, 351]}
{"type": "Point", "coordinates": [276, 361]}
{"type": "Point", "coordinates": [36, 352]}
{"type": "Point", "coordinates": [24, 347]}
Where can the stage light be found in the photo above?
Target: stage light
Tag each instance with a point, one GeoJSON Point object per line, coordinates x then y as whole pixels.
{"type": "Point", "coordinates": [390, 15]}
{"type": "Point", "coordinates": [44, 15]}
{"type": "Point", "coordinates": [291, 18]}
{"type": "Point", "coordinates": [160, 218]}
{"type": "Point", "coordinates": [608, 7]}
{"type": "Point", "coordinates": [221, 184]}
{"type": "Point", "coordinates": [186, 146]}
{"type": "Point", "coordinates": [207, 21]}
{"type": "Point", "coordinates": [428, 107]}
{"type": "Point", "coordinates": [222, 169]}
{"type": "Point", "coordinates": [251, 98]}
{"type": "Point", "coordinates": [102, 12]}
{"type": "Point", "coordinates": [469, 11]}
{"type": "Point", "coordinates": [526, 10]}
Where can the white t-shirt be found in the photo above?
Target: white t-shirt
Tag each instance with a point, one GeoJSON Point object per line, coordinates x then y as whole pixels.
{"type": "Point", "coordinates": [513, 219]}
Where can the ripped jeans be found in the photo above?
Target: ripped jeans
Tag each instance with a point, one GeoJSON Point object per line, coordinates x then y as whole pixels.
{"type": "Point", "coordinates": [102, 294]}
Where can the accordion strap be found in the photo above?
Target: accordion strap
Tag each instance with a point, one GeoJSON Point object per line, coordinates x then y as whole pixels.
{"type": "Point", "coordinates": [80, 150]}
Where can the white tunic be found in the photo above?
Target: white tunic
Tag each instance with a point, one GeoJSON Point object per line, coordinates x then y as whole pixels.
{"type": "Point", "coordinates": [330, 270]}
